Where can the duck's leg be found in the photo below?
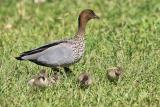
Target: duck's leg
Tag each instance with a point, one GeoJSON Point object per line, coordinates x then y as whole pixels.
{"type": "Point", "coordinates": [56, 69]}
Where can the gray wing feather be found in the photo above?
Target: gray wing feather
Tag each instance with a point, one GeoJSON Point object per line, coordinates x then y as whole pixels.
{"type": "Point", "coordinates": [55, 56]}
{"type": "Point", "coordinates": [34, 52]}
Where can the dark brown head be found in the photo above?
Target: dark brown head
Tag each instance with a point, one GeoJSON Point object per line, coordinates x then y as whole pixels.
{"type": "Point", "coordinates": [84, 17]}
{"type": "Point", "coordinates": [87, 14]}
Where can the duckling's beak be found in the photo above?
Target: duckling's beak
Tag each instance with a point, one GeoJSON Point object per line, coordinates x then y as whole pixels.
{"type": "Point", "coordinates": [96, 17]}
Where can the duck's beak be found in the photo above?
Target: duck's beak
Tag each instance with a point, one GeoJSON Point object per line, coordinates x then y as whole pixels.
{"type": "Point", "coordinates": [96, 17]}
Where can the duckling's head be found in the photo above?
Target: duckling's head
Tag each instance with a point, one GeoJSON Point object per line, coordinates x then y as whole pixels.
{"type": "Point", "coordinates": [118, 72]}
{"type": "Point", "coordinates": [43, 73]}
{"type": "Point", "coordinates": [115, 73]}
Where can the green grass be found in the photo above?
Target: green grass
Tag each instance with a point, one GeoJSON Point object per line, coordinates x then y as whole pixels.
{"type": "Point", "coordinates": [128, 35]}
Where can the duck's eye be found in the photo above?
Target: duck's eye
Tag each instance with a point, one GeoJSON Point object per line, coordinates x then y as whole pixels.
{"type": "Point", "coordinates": [92, 13]}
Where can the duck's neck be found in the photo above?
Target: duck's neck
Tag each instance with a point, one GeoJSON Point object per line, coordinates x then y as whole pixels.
{"type": "Point", "coordinates": [81, 27]}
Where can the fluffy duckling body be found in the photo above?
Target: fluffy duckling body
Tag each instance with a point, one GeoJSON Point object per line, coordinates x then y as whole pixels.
{"type": "Point", "coordinates": [85, 80]}
{"type": "Point", "coordinates": [42, 80]}
{"type": "Point", "coordinates": [114, 74]}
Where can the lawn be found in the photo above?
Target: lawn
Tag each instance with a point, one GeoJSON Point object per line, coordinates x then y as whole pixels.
{"type": "Point", "coordinates": [127, 35]}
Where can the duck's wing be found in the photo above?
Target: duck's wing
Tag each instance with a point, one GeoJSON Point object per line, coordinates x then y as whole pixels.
{"type": "Point", "coordinates": [39, 50]}
{"type": "Point", "coordinates": [59, 55]}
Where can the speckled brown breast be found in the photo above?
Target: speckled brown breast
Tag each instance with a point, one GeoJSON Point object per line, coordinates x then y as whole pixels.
{"type": "Point", "coordinates": [78, 46]}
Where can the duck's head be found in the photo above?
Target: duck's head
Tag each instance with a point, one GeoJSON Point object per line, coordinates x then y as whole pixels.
{"type": "Point", "coordinates": [87, 14]}
{"type": "Point", "coordinates": [84, 17]}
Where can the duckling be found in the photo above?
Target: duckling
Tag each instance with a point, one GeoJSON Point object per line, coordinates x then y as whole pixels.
{"type": "Point", "coordinates": [85, 80]}
{"type": "Point", "coordinates": [114, 74]}
{"type": "Point", "coordinates": [136, 82]}
{"type": "Point", "coordinates": [55, 77]}
{"type": "Point", "coordinates": [40, 80]}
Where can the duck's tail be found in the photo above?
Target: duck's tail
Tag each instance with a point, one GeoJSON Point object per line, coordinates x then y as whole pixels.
{"type": "Point", "coordinates": [19, 58]}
